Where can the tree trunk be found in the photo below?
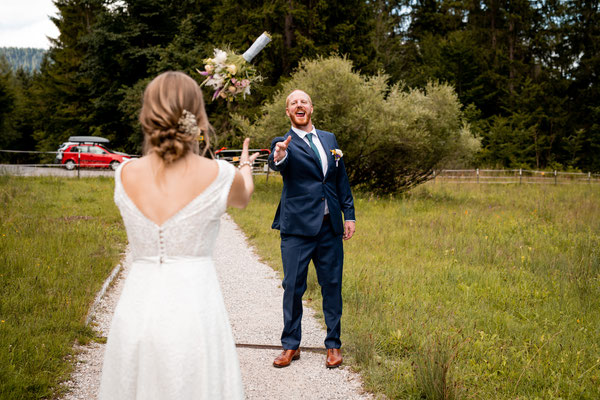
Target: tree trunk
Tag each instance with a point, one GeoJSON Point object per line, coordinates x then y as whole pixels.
{"type": "Point", "coordinates": [511, 55]}
{"type": "Point", "coordinates": [493, 10]}
{"type": "Point", "coordinates": [288, 35]}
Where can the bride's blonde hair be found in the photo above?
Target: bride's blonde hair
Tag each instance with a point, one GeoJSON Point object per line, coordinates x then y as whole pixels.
{"type": "Point", "coordinates": [165, 122]}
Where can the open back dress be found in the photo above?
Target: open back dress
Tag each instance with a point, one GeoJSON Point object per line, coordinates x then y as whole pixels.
{"type": "Point", "coordinates": [170, 336]}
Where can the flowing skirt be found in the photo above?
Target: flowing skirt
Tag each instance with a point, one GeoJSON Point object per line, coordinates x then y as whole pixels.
{"type": "Point", "coordinates": [170, 336]}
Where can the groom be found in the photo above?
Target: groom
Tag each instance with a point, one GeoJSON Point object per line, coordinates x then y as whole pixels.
{"type": "Point", "coordinates": [315, 194]}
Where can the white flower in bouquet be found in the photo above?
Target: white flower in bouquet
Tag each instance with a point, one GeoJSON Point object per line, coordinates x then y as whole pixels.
{"type": "Point", "coordinates": [232, 69]}
{"type": "Point", "coordinates": [220, 57]}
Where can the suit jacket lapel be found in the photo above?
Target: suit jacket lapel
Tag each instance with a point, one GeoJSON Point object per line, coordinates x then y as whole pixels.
{"type": "Point", "coordinates": [327, 148]}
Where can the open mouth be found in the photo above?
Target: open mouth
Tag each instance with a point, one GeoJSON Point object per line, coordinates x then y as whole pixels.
{"type": "Point", "coordinates": [300, 113]}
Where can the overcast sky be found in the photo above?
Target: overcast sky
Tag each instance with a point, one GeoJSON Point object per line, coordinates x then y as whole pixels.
{"type": "Point", "coordinates": [26, 23]}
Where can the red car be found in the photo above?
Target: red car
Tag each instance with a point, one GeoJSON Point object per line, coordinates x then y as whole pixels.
{"type": "Point", "coordinates": [89, 154]}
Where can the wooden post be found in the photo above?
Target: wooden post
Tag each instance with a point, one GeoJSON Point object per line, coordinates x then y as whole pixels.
{"type": "Point", "coordinates": [589, 177]}
{"type": "Point", "coordinates": [520, 175]}
{"type": "Point", "coordinates": [78, 162]}
{"type": "Point", "coordinates": [477, 175]}
{"type": "Point", "coordinates": [555, 177]}
{"type": "Point", "coordinates": [267, 165]}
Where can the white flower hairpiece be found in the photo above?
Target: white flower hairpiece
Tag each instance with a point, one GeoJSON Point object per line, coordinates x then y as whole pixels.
{"type": "Point", "coordinates": [187, 124]}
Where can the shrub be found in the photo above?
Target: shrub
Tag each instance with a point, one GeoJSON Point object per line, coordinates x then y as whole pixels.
{"type": "Point", "coordinates": [392, 137]}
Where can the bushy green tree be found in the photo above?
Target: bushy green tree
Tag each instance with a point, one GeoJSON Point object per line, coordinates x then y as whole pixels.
{"type": "Point", "coordinates": [392, 137]}
{"type": "Point", "coordinates": [7, 103]}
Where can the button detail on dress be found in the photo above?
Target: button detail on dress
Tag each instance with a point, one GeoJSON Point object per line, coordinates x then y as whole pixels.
{"type": "Point", "coordinates": [161, 246]}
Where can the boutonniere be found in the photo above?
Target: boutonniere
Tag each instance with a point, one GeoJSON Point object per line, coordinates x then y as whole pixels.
{"type": "Point", "coordinates": [337, 154]}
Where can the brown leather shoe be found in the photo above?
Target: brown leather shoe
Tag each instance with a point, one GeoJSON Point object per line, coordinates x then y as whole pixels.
{"type": "Point", "coordinates": [286, 357]}
{"type": "Point", "coordinates": [334, 358]}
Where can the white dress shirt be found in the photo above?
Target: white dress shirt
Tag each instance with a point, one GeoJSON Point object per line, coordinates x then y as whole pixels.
{"type": "Point", "coordinates": [317, 142]}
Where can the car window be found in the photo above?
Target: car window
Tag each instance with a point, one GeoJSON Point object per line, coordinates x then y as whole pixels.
{"type": "Point", "coordinates": [97, 150]}
{"type": "Point", "coordinates": [74, 149]}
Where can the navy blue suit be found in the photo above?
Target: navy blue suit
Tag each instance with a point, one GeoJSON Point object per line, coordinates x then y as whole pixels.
{"type": "Point", "coordinates": [306, 235]}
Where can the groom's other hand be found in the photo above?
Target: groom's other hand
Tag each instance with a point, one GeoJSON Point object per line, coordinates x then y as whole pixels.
{"type": "Point", "coordinates": [280, 149]}
{"type": "Point", "coordinates": [349, 227]}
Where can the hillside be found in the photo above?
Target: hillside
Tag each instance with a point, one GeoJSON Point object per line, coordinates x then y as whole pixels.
{"type": "Point", "coordinates": [27, 58]}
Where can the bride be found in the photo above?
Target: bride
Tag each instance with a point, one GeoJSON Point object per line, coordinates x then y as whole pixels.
{"type": "Point", "coordinates": [170, 336]}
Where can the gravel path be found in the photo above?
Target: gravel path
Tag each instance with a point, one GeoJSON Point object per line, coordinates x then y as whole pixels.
{"type": "Point", "coordinates": [254, 306]}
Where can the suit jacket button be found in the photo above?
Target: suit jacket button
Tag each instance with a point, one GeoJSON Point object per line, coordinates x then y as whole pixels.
{"type": "Point", "coordinates": [322, 198]}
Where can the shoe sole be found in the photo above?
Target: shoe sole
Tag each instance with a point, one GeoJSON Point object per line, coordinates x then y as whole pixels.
{"type": "Point", "coordinates": [287, 365]}
{"type": "Point", "coordinates": [333, 366]}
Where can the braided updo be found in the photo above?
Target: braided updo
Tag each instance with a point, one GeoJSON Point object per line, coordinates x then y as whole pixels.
{"type": "Point", "coordinates": [171, 103]}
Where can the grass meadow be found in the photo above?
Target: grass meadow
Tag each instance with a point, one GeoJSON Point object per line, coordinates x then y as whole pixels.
{"type": "Point", "coordinates": [451, 291]}
{"type": "Point", "coordinates": [59, 240]}
{"type": "Point", "coordinates": [466, 291]}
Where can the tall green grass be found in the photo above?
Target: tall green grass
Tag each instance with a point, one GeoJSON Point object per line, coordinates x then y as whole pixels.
{"type": "Point", "coordinates": [466, 291]}
{"type": "Point", "coordinates": [59, 239]}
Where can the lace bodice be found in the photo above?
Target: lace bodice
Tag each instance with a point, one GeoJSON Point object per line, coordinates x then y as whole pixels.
{"type": "Point", "coordinates": [191, 232]}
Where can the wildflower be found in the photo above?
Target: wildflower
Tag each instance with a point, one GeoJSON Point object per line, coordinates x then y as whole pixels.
{"type": "Point", "coordinates": [209, 68]}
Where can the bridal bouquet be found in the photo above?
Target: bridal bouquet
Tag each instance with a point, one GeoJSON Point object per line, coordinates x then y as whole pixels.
{"type": "Point", "coordinates": [231, 74]}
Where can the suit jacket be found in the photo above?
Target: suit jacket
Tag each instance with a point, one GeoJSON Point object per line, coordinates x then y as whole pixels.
{"type": "Point", "coordinates": [305, 189]}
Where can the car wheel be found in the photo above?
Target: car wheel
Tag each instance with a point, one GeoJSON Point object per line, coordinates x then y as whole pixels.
{"type": "Point", "coordinates": [70, 165]}
{"type": "Point", "coordinates": [114, 165]}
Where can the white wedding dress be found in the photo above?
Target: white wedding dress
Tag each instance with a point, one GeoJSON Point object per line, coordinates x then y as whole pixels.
{"type": "Point", "coordinates": [170, 336]}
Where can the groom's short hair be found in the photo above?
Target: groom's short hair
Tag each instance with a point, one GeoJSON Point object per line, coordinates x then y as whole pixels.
{"type": "Point", "coordinates": [287, 99]}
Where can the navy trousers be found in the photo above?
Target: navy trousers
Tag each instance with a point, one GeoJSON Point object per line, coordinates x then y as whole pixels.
{"type": "Point", "coordinates": [326, 250]}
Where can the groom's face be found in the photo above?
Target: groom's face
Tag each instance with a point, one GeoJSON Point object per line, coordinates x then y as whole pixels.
{"type": "Point", "coordinates": [299, 109]}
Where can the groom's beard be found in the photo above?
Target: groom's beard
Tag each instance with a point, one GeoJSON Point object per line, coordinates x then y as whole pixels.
{"type": "Point", "coordinates": [301, 122]}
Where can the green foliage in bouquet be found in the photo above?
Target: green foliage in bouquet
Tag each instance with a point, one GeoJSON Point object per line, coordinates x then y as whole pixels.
{"type": "Point", "coordinates": [392, 137]}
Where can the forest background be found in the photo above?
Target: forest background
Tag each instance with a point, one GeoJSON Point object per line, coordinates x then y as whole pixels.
{"type": "Point", "coordinates": [525, 71]}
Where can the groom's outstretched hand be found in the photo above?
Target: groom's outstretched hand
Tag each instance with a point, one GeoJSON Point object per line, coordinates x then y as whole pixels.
{"type": "Point", "coordinates": [349, 227]}
{"type": "Point", "coordinates": [280, 149]}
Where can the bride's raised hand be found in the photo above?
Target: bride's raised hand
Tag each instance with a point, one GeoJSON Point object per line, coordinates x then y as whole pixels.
{"type": "Point", "coordinates": [245, 157]}
{"type": "Point", "coordinates": [243, 185]}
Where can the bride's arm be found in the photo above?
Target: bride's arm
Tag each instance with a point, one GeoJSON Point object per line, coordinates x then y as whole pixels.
{"type": "Point", "coordinates": [243, 185]}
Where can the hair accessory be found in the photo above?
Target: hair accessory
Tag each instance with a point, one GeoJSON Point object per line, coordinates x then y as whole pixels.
{"type": "Point", "coordinates": [187, 124]}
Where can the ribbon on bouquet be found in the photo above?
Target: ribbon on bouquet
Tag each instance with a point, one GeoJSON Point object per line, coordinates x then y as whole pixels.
{"type": "Point", "coordinates": [256, 47]}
